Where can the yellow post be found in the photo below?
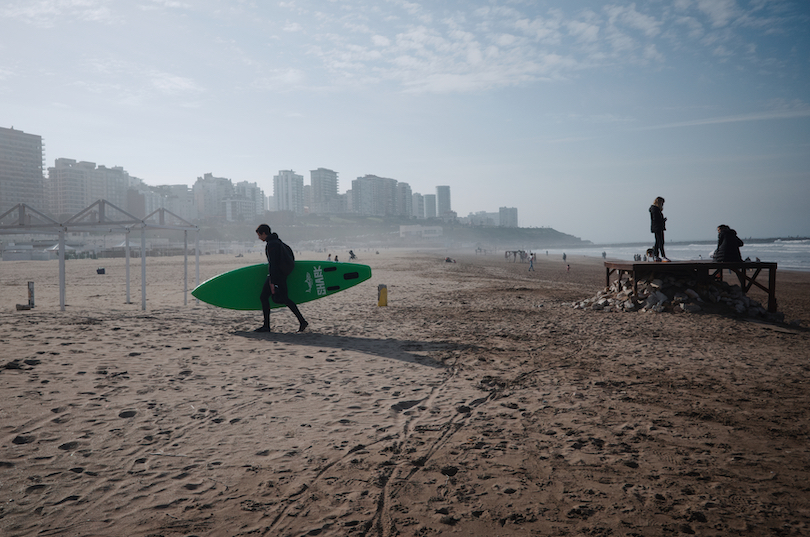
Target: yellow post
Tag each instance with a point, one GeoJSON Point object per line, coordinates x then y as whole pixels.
{"type": "Point", "coordinates": [382, 295]}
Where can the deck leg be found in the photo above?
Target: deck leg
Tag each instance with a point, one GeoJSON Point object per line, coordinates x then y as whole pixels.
{"type": "Point", "coordinates": [772, 290]}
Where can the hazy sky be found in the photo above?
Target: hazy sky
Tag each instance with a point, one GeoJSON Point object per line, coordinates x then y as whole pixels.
{"type": "Point", "coordinates": [577, 113]}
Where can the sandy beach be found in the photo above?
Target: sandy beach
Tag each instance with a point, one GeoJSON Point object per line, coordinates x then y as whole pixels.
{"type": "Point", "coordinates": [477, 403]}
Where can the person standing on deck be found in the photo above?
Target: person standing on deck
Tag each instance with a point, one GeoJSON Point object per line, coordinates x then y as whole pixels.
{"type": "Point", "coordinates": [657, 227]}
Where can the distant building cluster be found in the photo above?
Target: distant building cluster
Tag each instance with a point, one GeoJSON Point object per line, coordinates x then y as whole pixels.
{"type": "Point", "coordinates": [70, 186]}
{"type": "Point", "coordinates": [505, 217]}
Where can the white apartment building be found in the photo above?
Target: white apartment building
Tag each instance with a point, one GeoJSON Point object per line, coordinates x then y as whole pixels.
{"type": "Point", "coordinates": [325, 197]}
{"type": "Point", "coordinates": [418, 206]}
{"type": "Point", "coordinates": [404, 201]}
{"type": "Point", "coordinates": [21, 167]}
{"type": "Point", "coordinates": [374, 196]}
{"type": "Point", "coordinates": [73, 186]}
{"type": "Point", "coordinates": [443, 207]}
{"type": "Point", "coordinates": [430, 205]}
{"type": "Point", "coordinates": [288, 191]}
{"type": "Point", "coordinates": [508, 217]}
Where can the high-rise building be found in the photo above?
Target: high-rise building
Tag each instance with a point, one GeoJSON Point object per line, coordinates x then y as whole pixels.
{"type": "Point", "coordinates": [247, 202]}
{"type": "Point", "coordinates": [109, 184]}
{"type": "Point", "coordinates": [179, 199]}
{"type": "Point", "coordinates": [418, 205]}
{"type": "Point", "coordinates": [324, 184]}
{"type": "Point", "coordinates": [404, 203]}
{"type": "Point", "coordinates": [67, 187]}
{"type": "Point", "coordinates": [443, 207]}
{"type": "Point", "coordinates": [508, 217]}
{"type": "Point", "coordinates": [483, 219]}
{"type": "Point", "coordinates": [210, 194]}
{"type": "Point", "coordinates": [374, 196]}
{"type": "Point", "coordinates": [73, 186]}
{"type": "Point", "coordinates": [21, 166]}
{"type": "Point", "coordinates": [288, 191]}
{"type": "Point", "coordinates": [430, 205]}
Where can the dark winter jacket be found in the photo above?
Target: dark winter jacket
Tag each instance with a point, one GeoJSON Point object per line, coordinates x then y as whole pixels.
{"type": "Point", "coordinates": [728, 247]}
{"type": "Point", "coordinates": [658, 222]}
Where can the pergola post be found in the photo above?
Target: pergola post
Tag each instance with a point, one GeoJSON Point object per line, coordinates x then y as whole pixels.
{"type": "Point", "coordinates": [143, 268]}
{"type": "Point", "coordinates": [62, 269]}
{"type": "Point", "coordinates": [185, 267]}
{"type": "Point", "coordinates": [197, 253]}
{"type": "Point", "coordinates": [126, 253]}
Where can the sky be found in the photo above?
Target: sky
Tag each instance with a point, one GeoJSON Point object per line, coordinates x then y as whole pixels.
{"type": "Point", "coordinates": [578, 113]}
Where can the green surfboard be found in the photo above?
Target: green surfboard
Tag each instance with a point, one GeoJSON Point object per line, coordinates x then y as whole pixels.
{"type": "Point", "coordinates": [239, 289]}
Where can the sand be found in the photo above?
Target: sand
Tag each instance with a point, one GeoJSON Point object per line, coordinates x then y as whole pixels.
{"type": "Point", "coordinates": [476, 403]}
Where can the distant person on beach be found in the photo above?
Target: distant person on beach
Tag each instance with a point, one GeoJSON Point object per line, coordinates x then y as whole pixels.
{"type": "Point", "coordinates": [531, 262]}
{"type": "Point", "coordinates": [657, 227]}
{"type": "Point", "coordinates": [728, 246]}
{"type": "Point", "coordinates": [329, 257]}
{"type": "Point", "coordinates": [279, 257]}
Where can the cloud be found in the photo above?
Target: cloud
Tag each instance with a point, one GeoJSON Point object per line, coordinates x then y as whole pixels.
{"type": "Point", "coordinates": [49, 13]}
{"type": "Point", "coordinates": [543, 30]}
{"type": "Point", "coordinates": [164, 4]}
{"type": "Point", "coordinates": [628, 17]}
{"type": "Point", "coordinates": [380, 41]}
{"type": "Point", "coordinates": [719, 12]}
{"type": "Point", "coordinates": [436, 47]}
{"type": "Point", "coordinates": [794, 110]}
{"type": "Point", "coordinates": [281, 79]}
{"type": "Point", "coordinates": [651, 53]}
{"type": "Point", "coordinates": [131, 83]}
{"type": "Point", "coordinates": [583, 31]}
{"type": "Point", "coordinates": [169, 84]}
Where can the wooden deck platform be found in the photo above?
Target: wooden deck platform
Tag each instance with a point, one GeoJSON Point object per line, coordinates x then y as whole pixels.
{"type": "Point", "coordinates": [747, 273]}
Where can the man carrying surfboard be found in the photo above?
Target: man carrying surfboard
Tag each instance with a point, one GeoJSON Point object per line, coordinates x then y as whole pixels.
{"type": "Point", "coordinates": [280, 262]}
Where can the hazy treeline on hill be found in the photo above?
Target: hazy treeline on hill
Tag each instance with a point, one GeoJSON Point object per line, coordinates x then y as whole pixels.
{"type": "Point", "coordinates": [319, 231]}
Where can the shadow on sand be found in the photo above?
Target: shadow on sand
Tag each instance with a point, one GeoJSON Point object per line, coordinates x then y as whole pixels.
{"type": "Point", "coordinates": [386, 348]}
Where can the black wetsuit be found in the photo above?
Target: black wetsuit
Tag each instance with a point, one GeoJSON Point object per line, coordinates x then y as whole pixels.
{"type": "Point", "coordinates": [272, 250]}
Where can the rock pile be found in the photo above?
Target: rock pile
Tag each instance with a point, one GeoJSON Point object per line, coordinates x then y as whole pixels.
{"type": "Point", "coordinates": [675, 295]}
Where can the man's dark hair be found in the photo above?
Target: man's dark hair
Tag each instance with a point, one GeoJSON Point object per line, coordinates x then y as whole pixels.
{"type": "Point", "coordinates": [264, 228]}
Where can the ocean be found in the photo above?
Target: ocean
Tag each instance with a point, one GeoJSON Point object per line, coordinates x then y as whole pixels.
{"type": "Point", "coordinates": [789, 254]}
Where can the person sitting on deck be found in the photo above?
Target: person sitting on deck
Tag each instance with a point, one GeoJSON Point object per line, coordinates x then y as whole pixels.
{"type": "Point", "coordinates": [728, 246]}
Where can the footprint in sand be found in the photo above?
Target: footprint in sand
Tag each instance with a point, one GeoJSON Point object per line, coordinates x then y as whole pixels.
{"type": "Point", "coordinates": [403, 405]}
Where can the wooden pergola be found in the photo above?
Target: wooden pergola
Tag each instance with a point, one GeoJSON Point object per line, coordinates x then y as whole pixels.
{"type": "Point", "coordinates": [701, 271]}
{"type": "Point", "coordinates": [101, 215]}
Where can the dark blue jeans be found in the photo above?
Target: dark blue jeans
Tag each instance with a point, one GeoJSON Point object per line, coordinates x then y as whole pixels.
{"type": "Point", "coordinates": [658, 249]}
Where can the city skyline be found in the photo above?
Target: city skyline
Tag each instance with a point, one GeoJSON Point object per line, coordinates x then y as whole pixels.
{"type": "Point", "coordinates": [71, 186]}
{"type": "Point", "coordinates": [579, 115]}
